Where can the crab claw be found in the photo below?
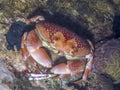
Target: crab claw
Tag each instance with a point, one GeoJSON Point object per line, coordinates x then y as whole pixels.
{"type": "Point", "coordinates": [33, 46]}
{"type": "Point", "coordinates": [41, 57]}
{"type": "Point", "coordinates": [71, 68]}
{"type": "Point", "coordinates": [60, 69]}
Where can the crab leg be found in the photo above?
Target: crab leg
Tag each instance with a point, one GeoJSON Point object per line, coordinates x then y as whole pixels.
{"type": "Point", "coordinates": [33, 76]}
{"type": "Point", "coordinates": [34, 47]}
{"type": "Point", "coordinates": [34, 19]}
{"type": "Point", "coordinates": [88, 65]}
{"type": "Point", "coordinates": [87, 71]}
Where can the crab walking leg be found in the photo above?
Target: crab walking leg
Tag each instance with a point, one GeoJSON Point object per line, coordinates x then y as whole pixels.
{"type": "Point", "coordinates": [87, 71]}
{"type": "Point", "coordinates": [34, 19]}
{"type": "Point", "coordinates": [88, 65]}
{"type": "Point", "coordinates": [34, 47]}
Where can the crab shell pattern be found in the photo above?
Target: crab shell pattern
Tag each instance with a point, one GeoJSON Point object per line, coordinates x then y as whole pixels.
{"type": "Point", "coordinates": [78, 52]}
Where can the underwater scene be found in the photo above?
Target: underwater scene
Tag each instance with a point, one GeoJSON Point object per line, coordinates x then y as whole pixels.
{"type": "Point", "coordinates": [59, 44]}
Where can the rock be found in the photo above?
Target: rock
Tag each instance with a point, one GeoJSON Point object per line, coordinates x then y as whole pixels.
{"type": "Point", "coordinates": [6, 77]}
{"type": "Point", "coordinates": [4, 87]}
{"type": "Point", "coordinates": [107, 60]}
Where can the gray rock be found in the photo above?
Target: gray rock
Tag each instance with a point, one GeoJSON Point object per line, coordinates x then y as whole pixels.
{"type": "Point", "coordinates": [4, 87]}
{"type": "Point", "coordinates": [107, 59]}
{"type": "Point", "coordinates": [6, 77]}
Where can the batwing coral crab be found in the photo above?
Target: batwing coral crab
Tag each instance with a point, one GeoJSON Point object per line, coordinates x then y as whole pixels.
{"type": "Point", "coordinates": [78, 52]}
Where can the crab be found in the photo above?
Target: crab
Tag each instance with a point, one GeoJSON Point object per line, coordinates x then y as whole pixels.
{"type": "Point", "coordinates": [78, 52]}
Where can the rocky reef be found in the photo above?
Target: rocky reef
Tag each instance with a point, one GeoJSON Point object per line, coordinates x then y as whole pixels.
{"type": "Point", "coordinates": [109, 55]}
{"type": "Point", "coordinates": [94, 20]}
